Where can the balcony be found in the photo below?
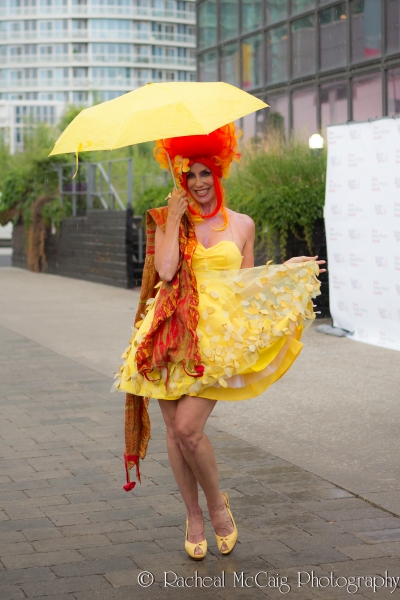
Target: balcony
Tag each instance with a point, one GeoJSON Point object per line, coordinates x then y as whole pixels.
{"type": "Point", "coordinates": [82, 84]}
{"type": "Point", "coordinates": [156, 36]}
{"type": "Point", "coordinates": [99, 35]}
{"type": "Point", "coordinates": [71, 83]}
{"type": "Point", "coordinates": [170, 62]}
{"type": "Point", "coordinates": [44, 59]}
{"type": "Point", "coordinates": [24, 36]}
{"type": "Point", "coordinates": [134, 12]}
{"type": "Point", "coordinates": [97, 10]}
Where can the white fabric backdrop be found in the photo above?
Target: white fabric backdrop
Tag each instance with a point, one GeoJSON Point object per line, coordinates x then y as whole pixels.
{"type": "Point", "coordinates": [362, 219]}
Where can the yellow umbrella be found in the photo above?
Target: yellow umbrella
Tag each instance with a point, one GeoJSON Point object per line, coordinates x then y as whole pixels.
{"type": "Point", "coordinates": [156, 111]}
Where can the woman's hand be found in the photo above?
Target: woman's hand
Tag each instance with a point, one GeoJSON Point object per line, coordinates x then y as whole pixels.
{"type": "Point", "coordinates": [301, 259]}
{"type": "Point", "coordinates": [166, 257]}
{"type": "Point", "coordinates": [177, 204]}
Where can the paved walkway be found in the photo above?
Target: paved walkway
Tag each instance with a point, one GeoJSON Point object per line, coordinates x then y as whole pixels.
{"type": "Point", "coordinates": [68, 530]}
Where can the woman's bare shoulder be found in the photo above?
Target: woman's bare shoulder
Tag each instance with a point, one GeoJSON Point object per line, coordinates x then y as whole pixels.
{"type": "Point", "coordinates": [241, 219]}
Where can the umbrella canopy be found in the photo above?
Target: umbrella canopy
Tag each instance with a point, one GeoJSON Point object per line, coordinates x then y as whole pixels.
{"type": "Point", "coordinates": [156, 111]}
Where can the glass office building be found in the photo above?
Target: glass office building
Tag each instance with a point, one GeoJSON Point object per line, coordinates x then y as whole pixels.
{"type": "Point", "coordinates": [316, 62]}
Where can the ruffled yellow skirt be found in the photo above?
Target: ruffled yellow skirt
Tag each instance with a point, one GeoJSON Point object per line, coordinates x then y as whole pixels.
{"type": "Point", "coordinates": [249, 330]}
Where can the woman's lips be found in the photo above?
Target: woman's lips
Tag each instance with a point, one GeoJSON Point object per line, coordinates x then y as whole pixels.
{"type": "Point", "coordinates": [202, 193]}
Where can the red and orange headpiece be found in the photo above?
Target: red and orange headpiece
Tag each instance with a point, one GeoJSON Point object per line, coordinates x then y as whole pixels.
{"type": "Point", "coordinates": [216, 150]}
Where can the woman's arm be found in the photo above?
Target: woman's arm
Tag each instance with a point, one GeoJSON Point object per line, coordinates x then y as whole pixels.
{"type": "Point", "coordinates": [166, 257]}
{"type": "Point", "coordinates": [300, 259]}
{"type": "Point", "coordinates": [248, 248]}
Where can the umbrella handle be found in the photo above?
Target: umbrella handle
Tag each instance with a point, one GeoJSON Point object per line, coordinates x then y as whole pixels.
{"type": "Point", "coordinates": [170, 167]}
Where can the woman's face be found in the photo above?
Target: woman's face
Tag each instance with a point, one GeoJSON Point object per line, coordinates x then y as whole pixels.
{"type": "Point", "coordinates": [200, 183]}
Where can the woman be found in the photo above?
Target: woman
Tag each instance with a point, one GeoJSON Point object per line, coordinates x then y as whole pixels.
{"type": "Point", "coordinates": [233, 329]}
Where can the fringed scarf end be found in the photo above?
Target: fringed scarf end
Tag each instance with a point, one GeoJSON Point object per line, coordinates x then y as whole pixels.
{"type": "Point", "coordinates": [131, 458]}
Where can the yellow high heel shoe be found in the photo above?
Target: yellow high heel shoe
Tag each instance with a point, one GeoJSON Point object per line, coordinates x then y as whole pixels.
{"type": "Point", "coordinates": [231, 539]}
{"type": "Point", "coordinates": [190, 547]}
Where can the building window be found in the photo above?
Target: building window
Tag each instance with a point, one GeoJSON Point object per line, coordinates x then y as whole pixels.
{"type": "Point", "coordinates": [333, 99]}
{"type": "Point", "coordinates": [276, 10]}
{"type": "Point", "coordinates": [304, 113]}
{"type": "Point", "coordinates": [229, 18]}
{"type": "Point", "coordinates": [278, 114]}
{"type": "Point", "coordinates": [333, 39]}
{"type": "Point", "coordinates": [299, 6]}
{"type": "Point", "coordinates": [207, 23]}
{"type": "Point", "coordinates": [230, 64]}
{"type": "Point", "coordinates": [393, 92]}
{"type": "Point", "coordinates": [252, 62]}
{"type": "Point", "coordinates": [367, 97]}
{"type": "Point", "coordinates": [393, 25]}
{"type": "Point", "coordinates": [365, 29]}
{"type": "Point", "coordinates": [303, 46]}
{"type": "Point", "coordinates": [277, 54]}
{"type": "Point", "coordinates": [251, 14]}
{"type": "Point", "coordinates": [208, 67]}
{"type": "Point", "coordinates": [79, 97]}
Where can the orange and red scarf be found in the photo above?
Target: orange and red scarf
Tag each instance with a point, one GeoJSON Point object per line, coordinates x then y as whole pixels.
{"type": "Point", "coordinates": [172, 336]}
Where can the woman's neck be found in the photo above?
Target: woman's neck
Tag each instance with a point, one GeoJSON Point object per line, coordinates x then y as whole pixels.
{"type": "Point", "coordinates": [207, 209]}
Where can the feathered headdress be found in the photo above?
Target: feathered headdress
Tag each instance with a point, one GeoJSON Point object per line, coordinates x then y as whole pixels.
{"type": "Point", "coordinates": [216, 150]}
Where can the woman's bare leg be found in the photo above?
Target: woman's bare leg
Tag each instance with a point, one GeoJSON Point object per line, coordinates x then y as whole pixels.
{"type": "Point", "coordinates": [183, 474]}
{"type": "Point", "coordinates": [190, 418]}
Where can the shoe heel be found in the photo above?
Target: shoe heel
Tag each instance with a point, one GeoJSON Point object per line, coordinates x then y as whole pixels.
{"type": "Point", "coordinates": [231, 539]}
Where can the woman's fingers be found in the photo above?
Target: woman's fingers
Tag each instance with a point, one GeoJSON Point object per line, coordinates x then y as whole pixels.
{"type": "Point", "coordinates": [178, 202]}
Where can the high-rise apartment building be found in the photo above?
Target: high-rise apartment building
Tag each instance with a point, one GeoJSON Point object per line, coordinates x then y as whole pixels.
{"type": "Point", "coordinates": [316, 62]}
{"type": "Point", "coordinates": [81, 51]}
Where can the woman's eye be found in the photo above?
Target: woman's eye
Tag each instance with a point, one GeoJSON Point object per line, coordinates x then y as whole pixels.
{"type": "Point", "coordinates": [189, 176]}
{"type": "Point", "coordinates": [206, 173]}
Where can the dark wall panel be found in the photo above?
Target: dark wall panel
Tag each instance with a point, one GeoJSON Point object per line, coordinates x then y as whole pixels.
{"type": "Point", "coordinates": [99, 247]}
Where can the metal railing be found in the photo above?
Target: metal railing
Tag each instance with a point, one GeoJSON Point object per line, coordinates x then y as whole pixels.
{"type": "Point", "coordinates": [99, 34]}
{"type": "Point", "coordinates": [131, 60]}
{"type": "Point", "coordinates": [93, 186]}
{"type": "Point", "coordinates": [90, 10]}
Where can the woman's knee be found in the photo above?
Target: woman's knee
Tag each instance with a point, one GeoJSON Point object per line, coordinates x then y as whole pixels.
{"type": "Point", "coordinates": [187, 435]}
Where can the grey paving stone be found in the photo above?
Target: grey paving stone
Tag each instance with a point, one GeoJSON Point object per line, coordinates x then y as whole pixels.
{"type": "Point", "coordinates": [117, 515]}
{"type": "Point", "coordinates": [11, 592]}
{"type": "Point", "coordinates": [16, 548]}
{"type": "Point", "coordinates": [17, 576]}
{"type": "Point", "coordinates": [65, 585]}
{"type": "Point", "coordinates": [379, 535]}
{"type": "Point", "coordinates": [45, 533]}
{"type": "Point", "coordinates": [12, 536]}
{"type": "Point", "coordinates": [93, 567]}
{"type": "Point", "coordinates": [40, 559]}
{"type": "Point", "coordinates": [57, 597]}
{"type": "Point", "coordinates": [22, 524]}
{"type": "Point", "coordinates": [317, 555]}
{"type": "Point", "coordinates": [145, 548]}
{"type": "Point", "coordinates": [165, 521]}
{"type": "Point", "coordinates": [142, 535]}
{"type": "Point", "coordinates": [97, 528]}
{"type": "Point", "coordinates": [73, 519]}
{"type": "Point", "coordinates": [123, 593]}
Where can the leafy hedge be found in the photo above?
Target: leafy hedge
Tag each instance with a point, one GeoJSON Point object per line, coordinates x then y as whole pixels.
{"type": "Point", "coordinates": [282, 187]}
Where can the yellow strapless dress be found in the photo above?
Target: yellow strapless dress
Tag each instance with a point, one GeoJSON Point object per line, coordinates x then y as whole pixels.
{"type": "Point", "coordinates": [249, 330]}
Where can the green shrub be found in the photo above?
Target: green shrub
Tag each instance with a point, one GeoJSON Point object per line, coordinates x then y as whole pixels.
{"type": "Point", "coordinates": [152, 197]}
{"type": "Point", "coordinates": [282, 187]}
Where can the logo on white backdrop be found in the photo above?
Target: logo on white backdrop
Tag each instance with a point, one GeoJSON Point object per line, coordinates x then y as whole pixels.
{"type": "Point", "coordinates": [362, 216]}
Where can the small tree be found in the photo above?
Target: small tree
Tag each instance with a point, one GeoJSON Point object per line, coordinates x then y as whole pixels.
{"type": "Point", "coordinates": [282, 187]}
